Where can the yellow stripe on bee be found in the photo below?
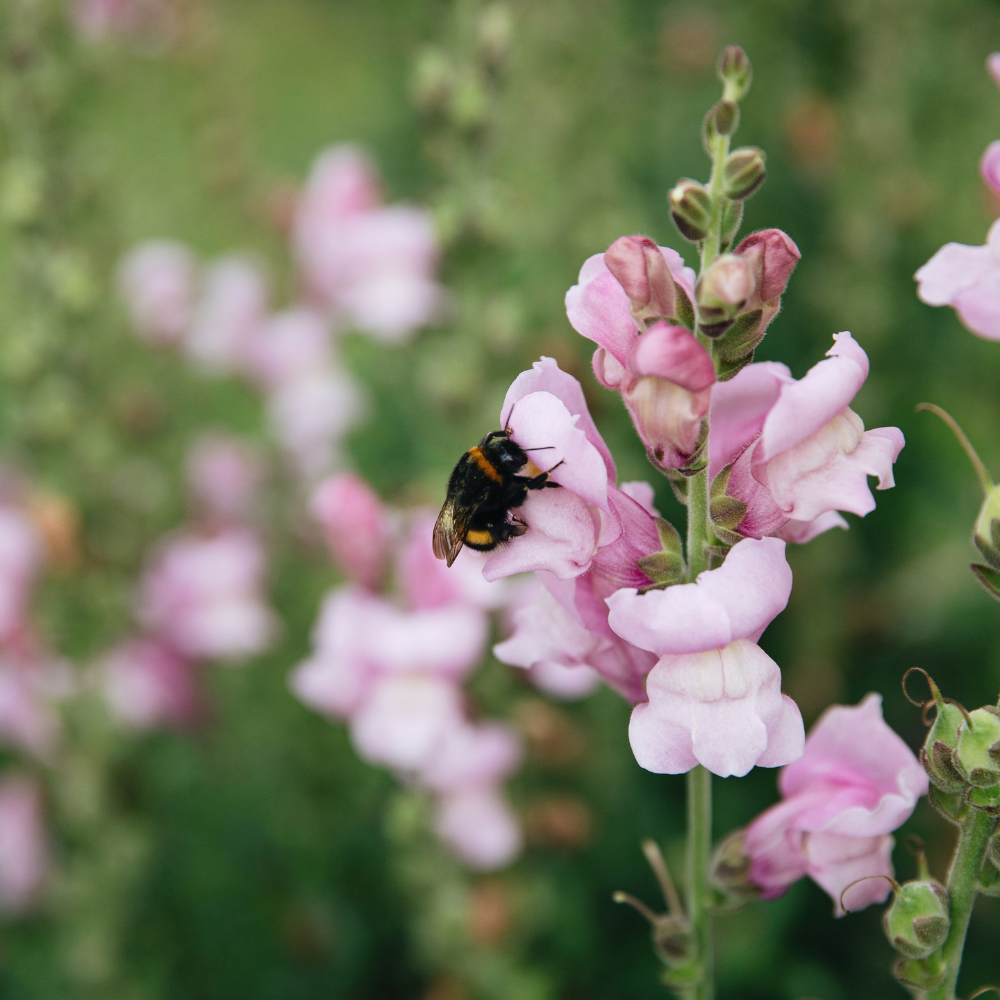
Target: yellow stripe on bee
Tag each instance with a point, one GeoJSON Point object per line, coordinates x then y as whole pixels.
{"type": "Point", "coordinates": [477, 456]}
{"type": "Point", "coordinates": [479, 537]}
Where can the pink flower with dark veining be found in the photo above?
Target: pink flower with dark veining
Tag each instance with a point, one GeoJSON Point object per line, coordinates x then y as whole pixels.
{"type": "Point", "coordinates": [204, 596]}
{"type": "Point", "coordinates": [158, 283]}
{"type": "Point", "coordinates": [356, 525]}
{"type": "Point", "coordinates": [798, 453]}
{"type": "Point", "coordinates": [714, 697]}
{"type": "Point", "coordinates": [148, 685]}
{"type": "Point", "coordinates": [856, 782]}
{"type": "Point", "coordinates": [24, 850]}
{"type": "Point", "coordinates": [967, 279]}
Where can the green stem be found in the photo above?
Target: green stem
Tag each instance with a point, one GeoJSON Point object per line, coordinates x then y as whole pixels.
{"type": "Point", "coordinates": [697, 524]}
{"type": "Point", "coordinates": [713, 241]}
{"type": "Point", "coordinates": [963, 887]}
{"type": "Point", "coordinates": [699, 849]}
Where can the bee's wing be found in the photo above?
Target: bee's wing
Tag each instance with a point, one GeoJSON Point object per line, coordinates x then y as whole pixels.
{"type": "Point", "coordinates": [449, 531]}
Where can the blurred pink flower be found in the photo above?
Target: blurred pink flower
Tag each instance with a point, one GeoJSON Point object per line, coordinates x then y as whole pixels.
{"type": "Point", "coordinates": [714, 695]}
{"type": "Point", "coordinates": [229, 314]}
{"type": "Point", "coordinates": [373, 265]}
{"type": "Point", "coordinates": [426, 582]}
{"type": "Point", "coordinates": [993, 67]}
{"type": "Point", "coordinates": [28, 720]}
{"type": "Point", "coordinates": [800, 452]}
{"type": "Point", "coordinates": [967, 279]}
{"type": "Point", "coordinates": [356, 526]}
{"type": "Point", "coordinates": [157, 282]}
{"type": "Point", "coordinates": [473, 756]}
{"type": "Point", "coordinates": [149, 21]}
{"type": "Point", "coordinates": [20, 560]}
{"type": "Point", "coordinates": [224, 473]}
{"type": "Point", "coordinates": [989, 167]}
{"type": "Point", "coordinates": [24, 852]}
{"type": "Point", "coordinates": [856, 782]}
{"type": "Point", "coordinates": [203, 595]}
{"type": "Point", "coordinates": [289, 346]}
{"type": "Point", "coordinates": [147, 685]}
{"type": "Point", "coordinates": [479, 825]}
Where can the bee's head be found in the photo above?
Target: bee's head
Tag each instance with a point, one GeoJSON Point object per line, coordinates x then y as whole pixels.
{"type": "Point", "coordinates": [502, 452]}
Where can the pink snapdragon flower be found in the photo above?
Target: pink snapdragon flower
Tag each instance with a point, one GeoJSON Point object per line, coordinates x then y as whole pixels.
{"type": "Point", "coordinates": [989, 167]}
{"type": "Point", "coordinates": [665, 376]}
{"type": "Point", "coordinates": [29, 684]}
{"type": "Point", "coordinates": [223, 475]}
{"type": "Point", "coordinates": [967, 278]}
{"type": "Point", "coordinates": [373, 265]}
{"type": "Point", "coordinates": [148, 685]}
{"type": "Point", "coordinates": [714, 696]}
{"type": "Point", "coordinates": [24, 851]}
{"type": "Point", "coordinates": [228, 316]}
{"type": "Point", "coordinates": [157, 282]}
{"type": "Point", "coordinates": [203, 595]}
{"type": "Point", "coordinates": [356, 525]}
{"type": "Point", "coordinates": [993, 67]}
{"type": "Point", "coordinates": [856, 782]}
{"type": "Point", "coordinates": [798, 452]}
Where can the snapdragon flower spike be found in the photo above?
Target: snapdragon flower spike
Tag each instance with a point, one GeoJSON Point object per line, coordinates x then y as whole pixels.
{"type": "Point", "coordinates": [966, 278]}
{"type": "Point", "coordinates": [789, 454]}
{"type": "Point", "coordinates": [856, 782]}
{"type": "Point", "coordinates": [714, 697]}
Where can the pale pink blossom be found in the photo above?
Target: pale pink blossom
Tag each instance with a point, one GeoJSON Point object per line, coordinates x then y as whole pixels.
{"type": "Point", "coordinates": [373, 265]}
{"type": "Point", "coordinates": [24, 850]}
{"type": "Point", "coordinates": [856, 782]}
{"type": "Point", "coordinates": [147, 685]}
{"type": "Point", "coordinates": [714, 697]}
{"type": "Point", "coordinates": [28, 687]}
{"type": "Point", "coordinates": [150, 21]}
{"type": "Point", "coordinates": [480, 827]}
{"type": "Point", "coordinates": [800, 452]}
{"type": "Point", "coordinates": [157, 281]}
{"type": "Point", "coordinates": [406, 720]}
{"type": "Point", "coordinates": [772, 256]}
{"type": "Point", "coordinates": [288, 346]}
{"type": "Point", "coordinates": [356, 525]}
{"type": "Point", "coordinates": [967, 279]}
{"type": "Point", "coordinates": [311, 414]}
{"type": "Point", "coordinates": [204, 596]}
{"type": "Point", "coordinates": [228, 317]}
{"type": "Point", "coordinates": [224, 474]}
{"type": "Point", "coordinates": [993, 67]}
{"type": "Point", "coordinates": [989, 167]}
{"type": "Point", "coordinates": [20, 560]}
{"type": "Point", "coordinates": [473, 756]}
{"type": "Point", "coordinates": [426, 582]}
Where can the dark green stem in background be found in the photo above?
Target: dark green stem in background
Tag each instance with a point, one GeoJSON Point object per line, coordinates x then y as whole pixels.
{"type": "Point", "coordinates": [699, 851]}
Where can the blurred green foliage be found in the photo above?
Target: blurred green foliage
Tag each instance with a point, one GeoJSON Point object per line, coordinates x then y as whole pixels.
{"type": "Point", "coordinates": [258, 858]}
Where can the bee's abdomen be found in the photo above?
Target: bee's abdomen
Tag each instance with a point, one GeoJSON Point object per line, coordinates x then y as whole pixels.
{"type": "Point", "coordinates": [487, 467]}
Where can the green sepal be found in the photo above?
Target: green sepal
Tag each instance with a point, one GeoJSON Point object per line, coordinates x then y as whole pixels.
{"type": "Point", "coordinates": [989, 578]}
{"type": "Point", "coordinates": [678, 484]}
{"type": "Point", "coordinates": [726, 512]}
{"type": "Point", "coordinates": [986, 800]}
{"type": "Point", "coordinates": [990, 550]}
{"type": "Point", "coordinates": [920, 975]}
{"type": "Point", "coordinates": [951, 805]}
{"type": "Point", "coordinates": [725, 370]}
{"type": "Point", "coordinates": [939, 763]}
{"type": "Point", "coordinates": [732, 218]}
{"type": "Point", "coordinates": [978, 753]}
{"type": "Point", "coordinates": [742, 337]}
{"type": "Point", "coordinates": [685, 311]}
{"type": "Point", "coordinates": [667, 566]}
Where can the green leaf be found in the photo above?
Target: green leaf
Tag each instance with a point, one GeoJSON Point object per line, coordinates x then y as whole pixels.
{"type": "Point", "coordinates": [989, 578]}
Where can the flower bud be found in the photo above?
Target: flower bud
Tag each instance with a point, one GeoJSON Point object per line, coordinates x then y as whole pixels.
{"type": "Point", "coordinates": [735, 72]}
{"type": "Point", "coordinates": [722, 119]}
{"type": "Point", "coordinates": [642, 272]}
{"type": "Point", "coordinates": [495, 30]}
{"type": "Point", "coordinates": [743, 172]}
{"type": "Point", "coordinates": [726, 285]}
{"type": "Point", "coordinates": [937, 753]}
{"type": "Point", "coordinates": [433, 79]}
{"type": "Point", "coordinates": [729, 871]}
{"type": "Point", "coordinates": [987, 531]}
{"type": "Point", "coordinates": [920, 975]}
{"type": "Point", "coordinates": [691, 209]}
{"type": "Point", "coordinates": [917, 922]}
{"type": "Point", "coordinates": [772, 255]}
{"type": "Point", "coordinates": [978, 751]}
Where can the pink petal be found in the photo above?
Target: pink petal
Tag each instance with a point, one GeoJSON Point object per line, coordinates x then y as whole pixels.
{"type": "Point", "coordinates": [642, 493]}
{"type": "Point", "coordinates": [805, 406]}
{"type": "Point", "coordinates": [801, 532]}
{"type": "Point", "coordinates": [24, 850]}
{"type": "Point", "coordinates": [672, 353]}
{"type": "Point", "coordinates": [735, 601]}
{"type": "Point", "coordinates": [546, 376]}
{"type": "Point", "coordinates": [978, 305]}
{"type": "Point", "coordinates": [739, 408]}
{"type": "Point", "coordinates": [564, 682]}
{"type": "Point", "coordinates": [989, 166]}
{"type": "Point", "coordinates": [993, 67]}
{"type": "Point", "coordinates": [480, 827]}
{"type": "Point", "coordinates": [951, 270]}
{"type": "Point", "coordinates": [836, 861]}
{"type": "Point", "coordinates": [775, 849]}
{"type": "Point", "coordinates": [157, 283]}
{"type": "Point", "coordinates": [473, 757]}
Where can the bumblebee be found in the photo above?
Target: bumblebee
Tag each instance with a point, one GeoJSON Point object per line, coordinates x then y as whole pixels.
{"type": "Point", "coordinates": [483, 489]}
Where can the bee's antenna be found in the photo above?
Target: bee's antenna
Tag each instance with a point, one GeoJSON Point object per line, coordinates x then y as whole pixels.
{"type": "Point", "coordinates": [547, 447]}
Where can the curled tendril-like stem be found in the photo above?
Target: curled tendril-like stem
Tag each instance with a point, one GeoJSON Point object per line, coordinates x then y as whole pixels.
{"type": "Point", "coordinates": [985, 480]}
{"type": "Point", "coordinates": [655, 858]}
{"type": "Point", "coordinates": [915, 846]}
{"type": "Point", "coordinates": [891, 881]}
{"type": "Point", "coordinates": [984, 989]}
{"type": "Point", "coordinates": [936, 697]}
